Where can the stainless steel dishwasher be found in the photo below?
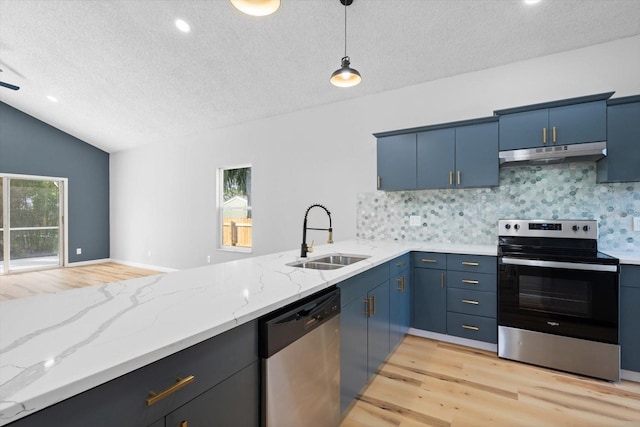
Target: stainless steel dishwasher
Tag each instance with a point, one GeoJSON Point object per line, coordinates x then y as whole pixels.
{"type": "Point", "coordinates": [300, 351]}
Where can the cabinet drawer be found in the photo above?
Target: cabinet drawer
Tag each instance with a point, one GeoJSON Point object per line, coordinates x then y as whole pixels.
{"type": "Point", "coordinates": [124, 398]}
{"type": "Point", "coordinates": [471, 280]}
{"type": "Point", "coordinates": [430, 260]}
{"type": "Point", "coordinates": [478, 303]}
{"type": "Point", "coordinates": [472, 327]}
{"type": "Point", "coordinates": [477, 263]}
{"type": "Point", "coordinates": [630, 276]}
{"type": "Point", "coordinates": [400, 264]}
{"type": "Point", "coordinates": [358, 286]}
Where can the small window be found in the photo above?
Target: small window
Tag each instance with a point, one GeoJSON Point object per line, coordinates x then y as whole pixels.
{"type": "Point", "coordinates": [234, 203]}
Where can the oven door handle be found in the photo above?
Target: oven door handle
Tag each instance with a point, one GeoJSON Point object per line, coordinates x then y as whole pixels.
{"type": "Point", "coordinates": [559, 264]}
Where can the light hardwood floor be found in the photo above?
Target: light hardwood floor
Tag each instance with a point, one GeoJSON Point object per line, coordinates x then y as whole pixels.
{"type": "Point", "coordinates": [432, 383]}
{"type": "Point", "coordinates": [20, 285]}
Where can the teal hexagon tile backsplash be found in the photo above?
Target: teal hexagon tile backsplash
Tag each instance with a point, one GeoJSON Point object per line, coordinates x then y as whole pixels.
{"type": "Point", "coordinates": [470, 216]}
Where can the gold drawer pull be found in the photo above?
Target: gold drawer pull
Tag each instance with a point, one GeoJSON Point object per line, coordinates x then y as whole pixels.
{"type": "Point", "coordinates": [450, 177]}
{"type": "Point", "coordinates": [470, 282]}
{"type": "Point", "coordinates": [473, 328]}
{"type": "Point", "coordinates": [553, 133]}
{"type": "Point", "coordinates": [544, 135]}
{"type": "Point", "coordinates": [470, 301]}
{"type": "Point", "coordinates": [472, 264]}
{"type": "Point", "coordinates": [458, 176]}
{"type": "Point", "coordinates": [181, 382]}
{"type": "Point", "coordinates": [367, 309]}
{"type": "Point", "coordinates": [401, 283]}
{"type": "Point", "coordinates": [373, 305]}
{"type": "Point", "coordinates": [400, 264]}
{"type": "Point", "coordinates": [379, 182]}
{"type": "Point", "coordinates": [429, 260]}
{"type": "Point", "coordinates": [442, 280]}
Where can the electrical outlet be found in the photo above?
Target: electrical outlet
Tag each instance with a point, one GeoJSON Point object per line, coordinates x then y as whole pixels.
{"type": "Point", "coordinates": [415, 221]}
{"type": "Point", "coordinates": [208, 259]}
{"type": "Point", "coordinates": [149, 253]}
{"type": "Point", "coordinates": [636, 223]}
{"type": "Point", "coordinates": [78, 251]}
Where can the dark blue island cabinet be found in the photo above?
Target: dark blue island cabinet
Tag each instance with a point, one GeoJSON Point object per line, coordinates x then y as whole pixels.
{"type": "Point", "coordinates": [216, 382]}
{"type": "Point", "coordinates": [629, 317]}
{"type": "Point", "coordinates": [450, 155]}
{"type": "Point", "coordinates": [364, 329]}
{"type": "Point", "coordinates": [564, 122]}
{"type": "Point", "coordinates": [622, 163]}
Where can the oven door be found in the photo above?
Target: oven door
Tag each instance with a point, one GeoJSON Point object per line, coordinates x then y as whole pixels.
{"type": "Point", "coordinates": [577, 300]}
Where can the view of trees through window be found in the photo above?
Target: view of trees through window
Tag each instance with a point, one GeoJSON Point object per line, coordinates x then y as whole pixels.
{"type": "Point", "coordinates": [33, 226]}
{"type": "Point", "coordinates": [235, 207]}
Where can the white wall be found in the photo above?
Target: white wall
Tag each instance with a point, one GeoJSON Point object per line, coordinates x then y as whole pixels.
{"type": "Point", "coordinates": [163, 197]}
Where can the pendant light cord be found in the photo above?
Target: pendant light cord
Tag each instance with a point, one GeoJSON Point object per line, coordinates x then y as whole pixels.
{"type": "Point", "coordinates": [345, 29]}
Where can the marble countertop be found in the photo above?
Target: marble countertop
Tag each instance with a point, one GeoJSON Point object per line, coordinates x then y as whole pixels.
{"type": "Point", "coordinates": [54, 346]}
{"type": "Point", "coordinates": [625, 257]}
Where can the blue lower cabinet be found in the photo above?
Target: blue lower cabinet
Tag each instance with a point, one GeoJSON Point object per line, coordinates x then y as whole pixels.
{"type": "Point", "coordinates": [629, 303]}
{"type": "Point", "coordinates": [472, 327]}
{"type": "Point", "coordinates": [378, 327]}
{"type": "Point", "coordinates": [364, 329]}
{"type": "Point", "coordinates": [430, 300]}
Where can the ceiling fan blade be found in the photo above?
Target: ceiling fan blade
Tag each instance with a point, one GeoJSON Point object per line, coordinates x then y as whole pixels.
{"type": "Point", "coordinates": [9, 86]}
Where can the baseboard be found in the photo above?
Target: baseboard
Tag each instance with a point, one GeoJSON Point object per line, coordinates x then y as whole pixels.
{"type": "Point", "coordinates": [630, 375]}
{"type": "Point", "coordinates": [453, 340]}
{"type": "Point", "coordinates": [145, 266]}
{"type": "Point", "coordinates": [91, 261]}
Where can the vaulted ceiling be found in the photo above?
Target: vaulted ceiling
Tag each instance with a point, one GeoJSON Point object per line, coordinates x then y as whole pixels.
{"type": "Point", "coordinates": [124, 75]}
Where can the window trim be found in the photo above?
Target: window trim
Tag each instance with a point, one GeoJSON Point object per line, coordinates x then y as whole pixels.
{"type": "Point", "coordinates": [219, 208]}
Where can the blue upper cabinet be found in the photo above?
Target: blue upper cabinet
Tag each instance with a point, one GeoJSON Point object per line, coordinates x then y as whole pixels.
{"type": "Point", "coordinates": [569, 121]}
{"type": "Point", "coordinates": [451, 155]}
{"type": "Point", "coordinates": [397, 162]}
{"type": "Point", "coordinates": [622, 163]}
{"type": "Point", "coordinates": [436, 158]}
{"type": "Point", "coordinates": [477, 163]}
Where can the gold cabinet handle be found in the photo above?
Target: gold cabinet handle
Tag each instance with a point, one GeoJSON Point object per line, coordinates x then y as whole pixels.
{"type": "Point", "coordinates": [544, 135]}
{"type": "Point", "coordinates": [180, 382]}
{"type": "Point", "coordinates": [458, 177]}
{"type": "Point", "coordinates": [373, 305]}
{"type": "Point", "coordinates": [401, 283]}
{"type": "Point", "coordinates": [470, 301]}
{"type": "Point", "coordinates": [553, 134]}
{"type": "Point", "coordinates": [442, 279]}
{"type": "Point", "coordinates": [473, 328]}
{"type": "Point", "coordinates": [450, 177]}
{"type": "Point", "coordinates": [426, 260]}
{"type": "Point", "coordinates": [379, 182]}
{"type": "Point", "coordinates": [472, 264]}
{"type": "Point", "coordinates": [400, 264]}
{"type": "Point", "coordinates": [367, 307]}
{"type": "Point", "coordinates": [470, 282]}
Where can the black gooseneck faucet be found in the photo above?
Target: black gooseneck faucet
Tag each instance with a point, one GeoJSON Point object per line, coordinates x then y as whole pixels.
{"type": "Point", "coordinates": [306, 249]}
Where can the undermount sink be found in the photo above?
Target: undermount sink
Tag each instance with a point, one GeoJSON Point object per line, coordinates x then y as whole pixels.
{"type": "Point", "coordinates": [328, 262]}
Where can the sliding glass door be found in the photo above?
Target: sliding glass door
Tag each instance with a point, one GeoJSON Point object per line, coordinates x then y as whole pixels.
{"type": "Point", "coordinates": [32, 224]}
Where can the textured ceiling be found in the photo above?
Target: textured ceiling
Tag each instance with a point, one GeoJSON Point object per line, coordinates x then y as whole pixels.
{"type": "Point", "coordinates": [125, 76]}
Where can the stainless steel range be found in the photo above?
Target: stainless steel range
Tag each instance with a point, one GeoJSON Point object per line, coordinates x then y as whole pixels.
{"type": "Point", "coordinates": [558, 297]}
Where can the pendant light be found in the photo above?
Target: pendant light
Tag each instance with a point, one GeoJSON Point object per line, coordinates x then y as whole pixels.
{"type": "Point", "coordinates": [345, 76]}
{"type": "Point", "coordinates": [256, 7]}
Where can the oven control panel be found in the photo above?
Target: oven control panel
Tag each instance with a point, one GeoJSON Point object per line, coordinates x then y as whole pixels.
{"type": "Point", "coordinates": [573, 229]}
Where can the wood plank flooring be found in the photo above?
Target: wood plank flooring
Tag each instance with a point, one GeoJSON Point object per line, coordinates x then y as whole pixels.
{"type": "Point", "coordinates": [20, 285]}
{"type": "Point", "coordinates": [432, 383]}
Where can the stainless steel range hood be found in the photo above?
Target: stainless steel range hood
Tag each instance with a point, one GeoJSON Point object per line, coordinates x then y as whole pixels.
{"type": "Point", "coordinates": [590, 151]}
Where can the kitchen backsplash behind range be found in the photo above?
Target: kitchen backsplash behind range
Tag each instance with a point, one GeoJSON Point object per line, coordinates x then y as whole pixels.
{"type": "Point", "coordinates": [470, 216]}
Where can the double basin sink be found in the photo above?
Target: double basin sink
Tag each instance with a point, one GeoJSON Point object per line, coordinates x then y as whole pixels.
{"type": "Point", "coordinates": [328, 262]}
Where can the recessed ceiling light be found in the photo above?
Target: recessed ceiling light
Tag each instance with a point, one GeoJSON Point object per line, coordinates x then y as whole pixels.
{"type": "Point", "coordinates": [52, 98]}
{"type": "Point", "coordinates": [531, 1]}
{"type": "Point", "coordinates": [182, 25]}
